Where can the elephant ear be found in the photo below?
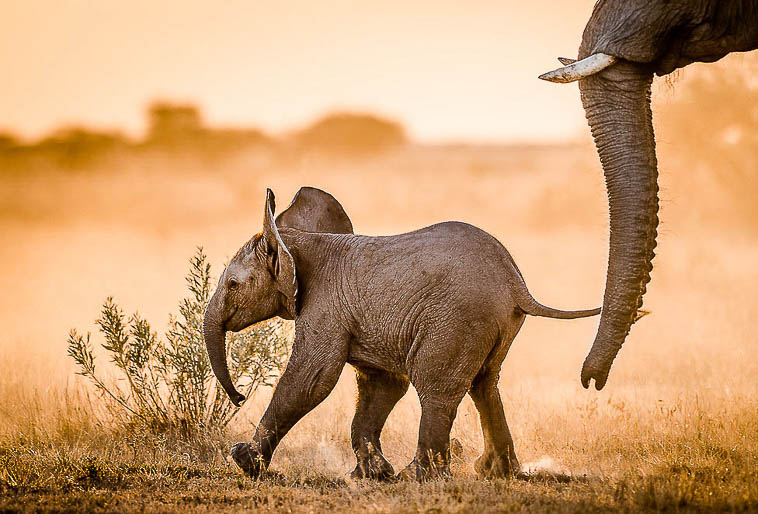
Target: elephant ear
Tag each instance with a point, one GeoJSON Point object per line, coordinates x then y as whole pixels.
{"type": "Point", "coordinates": [284, 264]}
{"type": "Point", "coordinates": [314, 210]}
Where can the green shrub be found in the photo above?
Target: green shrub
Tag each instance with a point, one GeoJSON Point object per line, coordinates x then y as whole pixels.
{"type": "Point", "coordinates": [167, 384]}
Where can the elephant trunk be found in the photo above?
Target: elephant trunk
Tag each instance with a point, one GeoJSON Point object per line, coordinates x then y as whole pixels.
{"type": "Point", "coordinates": [215, 344]}
{"type": "Point", "coordinates": [617, 105]}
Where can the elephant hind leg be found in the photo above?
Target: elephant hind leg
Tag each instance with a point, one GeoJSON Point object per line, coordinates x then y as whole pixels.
{"type": "Point", "coordinates": [378, 393]}
{"type": "Point", "coordinates": [432, 459]}
{"type": "Point", "coordinates": [442, 370]}
{"type": "Point", "coordinates": [499, 456]}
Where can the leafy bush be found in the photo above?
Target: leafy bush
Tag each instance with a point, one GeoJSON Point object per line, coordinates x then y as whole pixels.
{"type": "Point", "coordinates": [167, 384]}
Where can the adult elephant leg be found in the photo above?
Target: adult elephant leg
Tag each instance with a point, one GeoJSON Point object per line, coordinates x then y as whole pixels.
{"type": "Point", "coordinates": [499, 457]}
{"type": "Point", "coordinates": [312, 372]}
{"type": "Point", "coordinates": [378, 393]}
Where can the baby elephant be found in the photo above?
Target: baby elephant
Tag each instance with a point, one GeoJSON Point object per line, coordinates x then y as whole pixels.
{"type": "Point", "coordinates": [437, 308]}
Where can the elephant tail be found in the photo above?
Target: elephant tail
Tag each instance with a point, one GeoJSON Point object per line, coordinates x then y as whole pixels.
{"type": "Point", "coordinates": [529, 305]}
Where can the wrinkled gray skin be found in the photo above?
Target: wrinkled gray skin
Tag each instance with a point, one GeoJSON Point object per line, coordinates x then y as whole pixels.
{"type": "Point", "coordinates": [438, 308]}
{"type": "Point", "coordinates": [651, 37]}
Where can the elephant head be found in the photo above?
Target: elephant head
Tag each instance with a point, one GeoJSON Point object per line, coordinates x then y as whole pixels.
{"type": "Point", "coordinates": [624, 44]}
{"type": "Point", "coordinates": [260, 282]}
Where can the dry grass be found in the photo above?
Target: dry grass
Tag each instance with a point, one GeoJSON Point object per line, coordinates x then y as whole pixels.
{"type": "Point", "coordinates": [676, 427]}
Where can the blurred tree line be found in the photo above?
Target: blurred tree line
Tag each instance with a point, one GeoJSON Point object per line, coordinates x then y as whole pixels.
{"type": "Point", "coordinates": [179, 129]}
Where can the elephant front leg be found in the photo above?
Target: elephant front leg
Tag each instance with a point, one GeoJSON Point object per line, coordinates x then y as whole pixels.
{"type": "Point", "coordinates": [378, 392]}
{"type": "Point", "coordinates": [311, 374]}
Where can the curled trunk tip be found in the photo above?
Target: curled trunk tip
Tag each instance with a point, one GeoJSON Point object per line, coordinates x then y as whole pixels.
{"type": "Point", "coordinates": [215, 344]}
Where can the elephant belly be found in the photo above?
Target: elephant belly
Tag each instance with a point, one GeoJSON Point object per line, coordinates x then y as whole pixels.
{"type": "Point", "coordinates": [377, 355]}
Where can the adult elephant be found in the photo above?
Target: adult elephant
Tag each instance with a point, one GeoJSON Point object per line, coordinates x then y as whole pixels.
{"type": "Point", "coordinates": [624, 44]}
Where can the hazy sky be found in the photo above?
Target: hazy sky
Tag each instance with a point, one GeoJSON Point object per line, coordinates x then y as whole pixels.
{"type": "Point", "coordinates": [447, 69]}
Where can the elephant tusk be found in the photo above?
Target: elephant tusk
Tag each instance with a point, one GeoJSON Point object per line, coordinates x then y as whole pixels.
{"type": "Point", "coordinates": [566, 60]}
{"type": "Point", "coordinates": [580, 69]}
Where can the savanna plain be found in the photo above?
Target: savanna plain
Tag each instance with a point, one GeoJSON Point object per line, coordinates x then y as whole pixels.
{"type": "Point", "coordinates": [675, 428]}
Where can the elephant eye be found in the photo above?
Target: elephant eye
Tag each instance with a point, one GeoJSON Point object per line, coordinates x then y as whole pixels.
{"type": "Point", "coordinates": [232, 284]}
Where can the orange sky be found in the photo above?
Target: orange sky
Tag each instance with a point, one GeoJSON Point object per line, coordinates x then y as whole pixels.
{"type": "Point", "coordinates": [450, 70]}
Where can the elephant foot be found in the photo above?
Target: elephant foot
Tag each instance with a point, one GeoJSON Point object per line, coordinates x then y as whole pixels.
{"type": "Point", "coordinates": [490, 465]}
{"type": "Point", "coordinates": [375, 467]}
{"type": "Point", "coordinates": [250, 460]}
{"type": "Point", "coordinates": [433, 470]}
